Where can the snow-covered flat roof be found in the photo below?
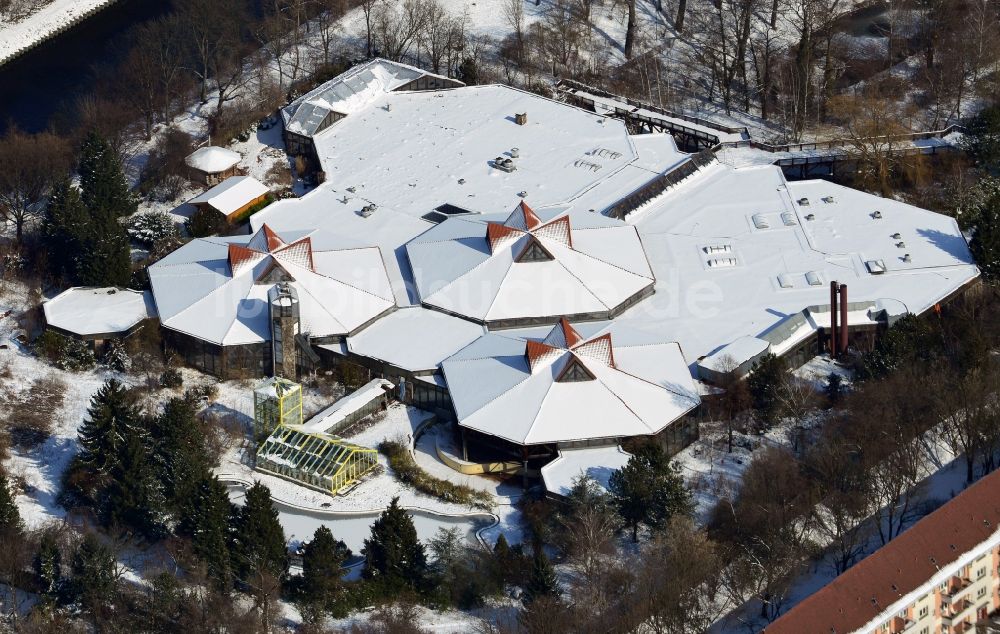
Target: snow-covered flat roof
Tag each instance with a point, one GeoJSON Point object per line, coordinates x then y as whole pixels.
{"type": "Point", "coordinates": [89, 312]}
{"type": "Point", "coordinates": [216, 288]}
{"type": "Point", "coordinates": [231, 194]}
{"type": "Point", "coordinates": [573, 384]}
{"type": "Point", "coordinates": [735, 252]}
{"type": "Point", "coordinates": [416, 339]}
{"type": "Point", "coordinates": [598, 463]}
{"type": "Point", "coordinates": [212, 159]}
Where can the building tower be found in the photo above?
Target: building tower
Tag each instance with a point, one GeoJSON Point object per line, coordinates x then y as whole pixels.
{"type": "Point", "coordinates": [284, 306]}
{"type": "Point", "coordinates": [276, 402]}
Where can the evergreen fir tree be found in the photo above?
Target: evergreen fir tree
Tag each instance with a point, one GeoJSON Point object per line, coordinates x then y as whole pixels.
{"type": "Point", "coordinates": [181, 460]}
{"type": "Point", "coordinates": [393, 554]}
{"type": "Point", "coordinates": [259, 539]}
{"type": "Point", "coordinates": [321, 567]}
{"type": "Point", "coordinates": [65, 230]}
{"type": "Point", "coordinates": [10, 517]}
{"type": "Point", "coordinates": [834, 388]}
{"type": "Point", "coordinates": [92, 572]}
{"type": "Point", "coordinates": [112, 414]}
{"type": "Point", "coordinates": [985, 244]}
{"type": "Point", "coordinates": [649, 490]}
{"type": "Point", "coordinates": [205, 520]}
{"type": "Point", "coordinates": [48, 565]}
{"type": "Point", "coordinates": [106, 260]}
{"type": "Point", "coordinates": [764, 384]}
{"type": "Point", "coordinates": [133, 496]}
{"type": "Point", "coordinates": [542, 581]}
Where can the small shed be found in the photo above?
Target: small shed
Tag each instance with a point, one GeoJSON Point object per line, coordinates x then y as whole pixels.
{"type": "Point", "coordinates": [212, 165]}
{"type": "Point", "coordinates": [98, 314]}
{"type": "Point", "coordinates": [232, 197]}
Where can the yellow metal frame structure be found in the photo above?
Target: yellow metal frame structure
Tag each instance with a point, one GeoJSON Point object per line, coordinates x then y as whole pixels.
{"type": "Point", "coordinates": [277, 402]}
{"type": "Point", "coordinates": [319, 461]}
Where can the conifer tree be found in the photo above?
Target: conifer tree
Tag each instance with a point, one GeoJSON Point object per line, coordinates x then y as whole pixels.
{"type": "Point", "coordinates": [260, 545]}
{"type": "Point", "coordinates": [112, 413]}
{"type": "Point", "coordinates": [393, 554]}
{"type": "Point", "coordinates": [65, 230]}
{"type": "Point", "coordinates": [205, 520]}
{"type": "Point", "coordinates": [180, 458]}
{"type": "Point", "coordinates": [765, 383]}
{"type": "Point", "coordinates": [93, 574]}
{"type": "Point", "coordinates": [542, 581]}
{"type": "Point", "coordinates": [321, 567]}
{"type": "Point", "coordinates": [648, 490]}
{"type": "Point", "coordinates": [10, 517]}
{"type": "Point", "coordinates": [985, 244]}
{"type": "Point", "coordinates": [133, 496]}
{"type": "Point", "coordinates": [48, 565]}
{"type": "Point", "coordinates": [106, 260]}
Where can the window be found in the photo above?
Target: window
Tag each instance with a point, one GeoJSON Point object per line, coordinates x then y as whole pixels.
{"type": "Point", "coordinates": [923, 612]}
{"type": "Point", "coordinates": [981, 593]}
{"type": "Point", "coordinates": [981, 573]}
{"type": "Point", "coordinates": [925, 630]}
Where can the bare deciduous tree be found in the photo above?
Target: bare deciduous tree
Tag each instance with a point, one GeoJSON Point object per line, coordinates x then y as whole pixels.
{"type": "Point", "coordinates": [29, 165]}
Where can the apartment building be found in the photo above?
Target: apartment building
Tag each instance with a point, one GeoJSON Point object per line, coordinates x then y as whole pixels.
{"type": "Point", "coordinates": [941, 576]}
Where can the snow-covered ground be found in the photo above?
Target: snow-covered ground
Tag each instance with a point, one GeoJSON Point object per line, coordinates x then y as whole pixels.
{"type": "Point", "coordinates": [17, 37]}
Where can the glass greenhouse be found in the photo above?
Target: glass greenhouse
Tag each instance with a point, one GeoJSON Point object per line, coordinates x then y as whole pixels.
{"type": "Point", "coordinates": [276, 402]}
{"type": "Point", "coordinates": [316, 460]}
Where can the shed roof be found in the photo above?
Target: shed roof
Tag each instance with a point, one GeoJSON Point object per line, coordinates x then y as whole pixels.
{"type": "Point", "coordinates": [232, 194]}
{"type": "Point", "coordinates": [212, 159]}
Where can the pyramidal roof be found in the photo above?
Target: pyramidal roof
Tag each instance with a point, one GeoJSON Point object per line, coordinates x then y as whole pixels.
{"type": "Point", "coordinates": [566, 387]}
{"type": "Point", "coordinates": [529, 267]}
{"type": "Point", "coordinates": [216, 288]}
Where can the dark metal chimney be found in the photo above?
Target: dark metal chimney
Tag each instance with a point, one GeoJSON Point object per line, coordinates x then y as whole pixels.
{"type": "Point", "coordinates": [834, 340]}
{"type": "Point", "coordinates": [843, 319]}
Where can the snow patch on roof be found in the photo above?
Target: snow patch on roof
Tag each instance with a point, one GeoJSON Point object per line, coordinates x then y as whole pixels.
{"type": "Point", "coordinates": [212, 159]}
{"type": "Point", "coordinates": [231, 194]}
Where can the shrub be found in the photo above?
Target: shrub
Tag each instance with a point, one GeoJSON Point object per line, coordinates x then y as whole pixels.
{"type": "Point", "coordinates": [64, 352]}
{"type": "Point", "coordinates": [31, 413]}
{"type": "Point", "coordinates": [206, 222]}
{"type": "Point", "coordinates": [171, 378]}
{"type": "Point", "coordinates": [409, 472]}
{"type": "Point", "coordinates": [154, 229]}
{"type": "Point", "coordinates": [164, 176]}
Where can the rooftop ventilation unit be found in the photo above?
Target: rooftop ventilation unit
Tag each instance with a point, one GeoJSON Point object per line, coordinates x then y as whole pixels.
{"type": "Point", "coordinates": [718, 248]}
{"type": "Point", "coordinates": [875, 267]}
{"type": "Point", "coordinates": [828, 199]}
{"type": "Point", "coordinates": [515, 152]}
{"type": "Point", "coordinates": [810, 217]}
{"type": "Point", "coordinates": [504, 164]}
{"type": "Point", "coordinates": [760, 221]}
{"type": "Point", "coordinates": [900, 245]}
{"type": "Point", "coordinates": [907, 258]}
{"type": "Point", "coordinates": [368, 210]}
{"type": "Point", "coordinates": [812, 278]}
{"type": "Point", "coordinates": [896, 236]}
{"type": "Point", "coordinates": [877, 215]}
{"type": "Point", "coordinates": [785, 281]}
{"type": "Point", "coordinates": [789, 219]}
{"type": "Point", "coordinates": [521, 118]}
{"type": "Point", "coordinates": [721, 263]}
{"type": "Point", "coordinates": [803, 202]}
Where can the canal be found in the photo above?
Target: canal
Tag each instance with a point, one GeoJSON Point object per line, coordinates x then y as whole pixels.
{"type": "Point", "coordinates": [39, 88]}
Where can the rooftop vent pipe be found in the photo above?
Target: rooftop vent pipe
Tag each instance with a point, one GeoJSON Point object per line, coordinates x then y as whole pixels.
{"type": "Point", "coordinates": [833, 318]}
{"type": "Point", "coordinates": [843, 319]}
{"type": "Point", "coordinates": [521, 118]}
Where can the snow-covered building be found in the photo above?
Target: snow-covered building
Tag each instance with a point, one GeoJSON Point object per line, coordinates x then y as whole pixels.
{"type": "Point", "coordinates": [940, 575]}
{"type": "Point", "coordinates": [583, 385]}
{"type": "Point", "coordinates": [350, 92]}
{"type": "Point", "coordinates": [98, 314]}
{"type": "Point", "coordinates": [524, 270]}
{"type": "Point", "coordinates": [212, 164]}
{"type": "Point", "coordinates": [233, 197]}
{"type": "Point", "coordinates": [217, 296]}
{"type": "Point", "coordinates": [418, 270]}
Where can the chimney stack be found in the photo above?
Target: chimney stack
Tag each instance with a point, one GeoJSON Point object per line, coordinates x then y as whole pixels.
{"type": "Point", "coordinates": [843, 319]}
{"type": "Point", "coordinates": [834, 340]}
